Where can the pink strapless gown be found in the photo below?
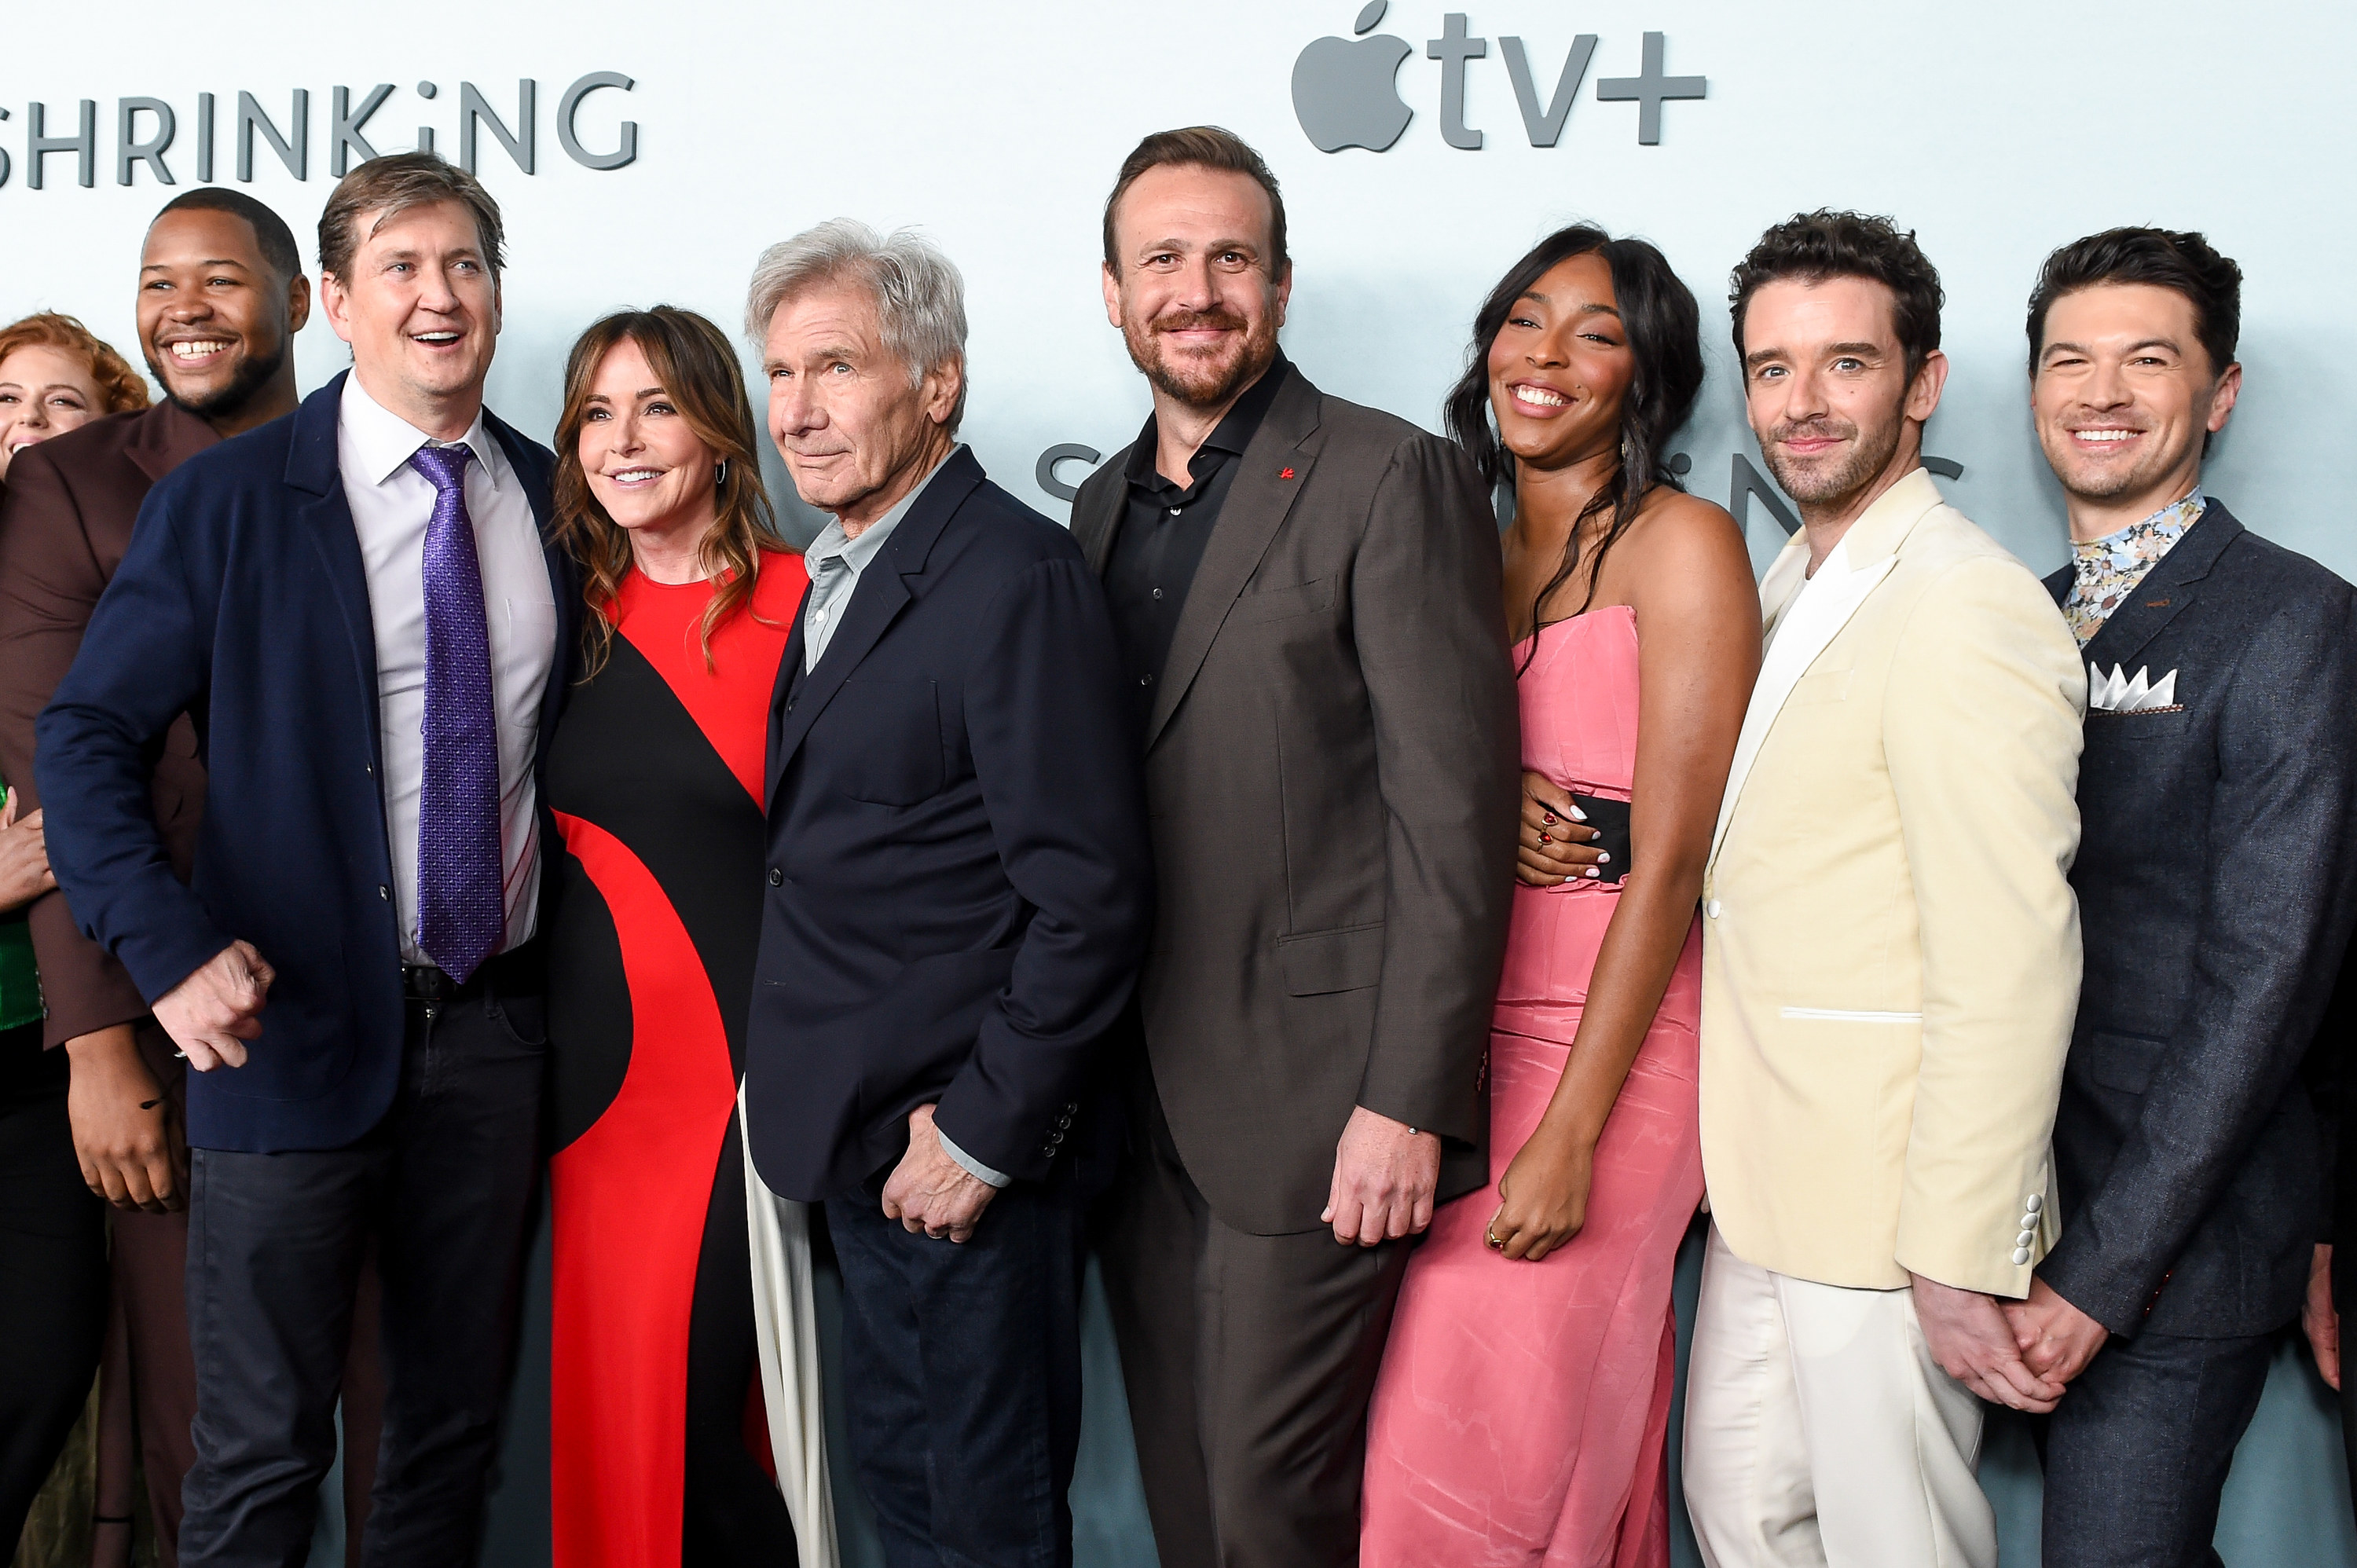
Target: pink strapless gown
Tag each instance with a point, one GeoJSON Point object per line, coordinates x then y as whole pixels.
{"type": "Point", "coordinates": [1521, 1415]}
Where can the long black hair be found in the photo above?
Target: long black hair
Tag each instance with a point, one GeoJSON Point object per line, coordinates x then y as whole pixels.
{"type": "Point", "coordinates": [1664, 329]}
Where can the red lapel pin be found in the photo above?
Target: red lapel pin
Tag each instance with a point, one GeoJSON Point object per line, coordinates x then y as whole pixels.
{"type": "Point", "coordinates": [1286, 475]}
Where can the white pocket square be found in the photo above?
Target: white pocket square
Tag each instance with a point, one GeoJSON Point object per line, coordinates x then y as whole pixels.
{"type": "Point", "coordinates": [2116, 693]}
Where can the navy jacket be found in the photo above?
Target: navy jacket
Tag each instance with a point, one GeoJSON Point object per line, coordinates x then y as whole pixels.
{"type": "Point", "coordinates": [2214, 848]}
{"type": "Point", "coordinates": [244, 602]}
{"type": "Point", "coordinates": [959, 879]}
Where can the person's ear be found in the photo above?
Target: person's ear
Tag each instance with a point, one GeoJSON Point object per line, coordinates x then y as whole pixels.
{"type": "Point", "coordinates": [1923, 391]}
{"type": "Point", "coordinates": [1111, 293]}
{"type": "Point", "coordinates": [298, 304]}
{"type": "Point", "coordinates": [2222, 397]}
{"type": "Point", "coordinates": [944, 382]}
{"type": "Point", "coordinates": [336, 304]}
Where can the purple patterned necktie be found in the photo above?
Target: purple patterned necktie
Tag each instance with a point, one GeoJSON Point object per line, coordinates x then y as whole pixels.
{"type": "Point", "coordinates": [461, 914]}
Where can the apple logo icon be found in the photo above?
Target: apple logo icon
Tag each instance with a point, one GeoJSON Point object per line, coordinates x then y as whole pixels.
{"type": "Point", "coordinates": [1345, 93]}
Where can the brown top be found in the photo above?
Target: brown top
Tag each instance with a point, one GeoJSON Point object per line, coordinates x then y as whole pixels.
{"type": "Point", "coordinates": [65, 521]}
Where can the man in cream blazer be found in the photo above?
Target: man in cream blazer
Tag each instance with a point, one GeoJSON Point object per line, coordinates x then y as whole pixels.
{"type": "Point", "coordinates": [1890, 954]}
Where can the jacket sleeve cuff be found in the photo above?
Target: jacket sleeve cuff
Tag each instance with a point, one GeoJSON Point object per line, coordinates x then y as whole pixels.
{"type": "Point", "coordinates": [974, 1167]}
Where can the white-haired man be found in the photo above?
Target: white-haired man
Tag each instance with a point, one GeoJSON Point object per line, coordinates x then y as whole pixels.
{"type": "Point", "coordinates": [959, 891]}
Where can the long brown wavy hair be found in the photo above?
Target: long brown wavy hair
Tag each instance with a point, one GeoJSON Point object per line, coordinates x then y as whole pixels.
{"type": "Point", "coordinates": [699, 371]}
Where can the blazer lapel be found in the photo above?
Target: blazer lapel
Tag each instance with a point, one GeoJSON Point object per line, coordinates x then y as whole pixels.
{"type": "Point", "coordinates": [884, 591]}
{"type": "Point", "coordinates": [1873, 542]}
{"type": "Point", "coordinates": [1096, 515]}
{"type": "Point", "coordinates": [2173, 583]}
{"type": "Point", "coordinates": [166, 436]}
{"type": "Point", "coordinates": [327, 520]}
{"type": "Point", "coordinates": [1276, 471]}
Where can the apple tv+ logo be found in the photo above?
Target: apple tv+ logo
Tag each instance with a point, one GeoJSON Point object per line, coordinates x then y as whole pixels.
{"type": "Point", "coordinates": [1346, 90]}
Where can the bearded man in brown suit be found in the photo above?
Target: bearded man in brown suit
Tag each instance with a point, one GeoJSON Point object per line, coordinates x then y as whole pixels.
{"type": "Point", "coordinates": [222, 294]}
{"type": "Point", "coordinates": [1307, 594]}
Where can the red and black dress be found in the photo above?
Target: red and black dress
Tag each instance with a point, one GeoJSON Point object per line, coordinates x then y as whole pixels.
{"type": "Point", "coordinates": [659, 1451]}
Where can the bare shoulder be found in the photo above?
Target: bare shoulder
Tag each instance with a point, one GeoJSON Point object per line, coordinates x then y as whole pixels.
{"type": "Point", "coordinates": [1683, 544]}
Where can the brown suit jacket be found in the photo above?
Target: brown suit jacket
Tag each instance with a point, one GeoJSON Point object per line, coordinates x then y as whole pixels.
{"type": "Point", "coordinates": [1332, 774]}
{"type": "Point", "coordinates": [65, 521]}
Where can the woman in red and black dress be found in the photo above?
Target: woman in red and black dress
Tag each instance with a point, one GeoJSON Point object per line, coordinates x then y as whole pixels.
{"type": "Point", "coordinates": [685, 1425]}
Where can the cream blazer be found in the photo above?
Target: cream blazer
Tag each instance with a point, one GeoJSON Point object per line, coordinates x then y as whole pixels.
{"type": "Point", "coordinates": [1890, 947]}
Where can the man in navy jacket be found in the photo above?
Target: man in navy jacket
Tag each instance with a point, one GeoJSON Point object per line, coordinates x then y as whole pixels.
{"type": "Point", "coordinates": [960, 886]}
{"type": "Point", "coordinates": [357, 606]}
{"type": "Point", "coordinates": [2215, 795]}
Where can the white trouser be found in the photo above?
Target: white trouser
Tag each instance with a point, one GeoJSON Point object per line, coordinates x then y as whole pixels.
{"type": "Point", "coordinates": [1819, 1434]}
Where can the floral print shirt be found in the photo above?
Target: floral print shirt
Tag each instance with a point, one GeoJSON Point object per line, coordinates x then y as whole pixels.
{"type": "Point", "coordinates": [2105, 571]}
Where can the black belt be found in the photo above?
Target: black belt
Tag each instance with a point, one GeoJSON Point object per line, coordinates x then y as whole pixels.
{"type": "Point", "coordinates": [521, 971]}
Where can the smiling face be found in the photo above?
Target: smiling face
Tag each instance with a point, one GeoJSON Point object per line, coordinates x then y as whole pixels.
{"type": "Point", "coordinates": [2124, 394]}
{"type": "Point", "coordinates": [856, 429]}
{"type": "Point", "coordinates": [44, 391]}
{"type": "Point", "coordinates": [645, 465]}
{"type": "Point", "coordinates": [420, 306]}
{"type": "Point", "coordinates": [1827, 388]}
{"type": "Point", "coordinates": [1560, 367]}
{"type": "Point", "coordinates": [215, 321]}
{"type": "Point", "coordinates": [1196, 295]}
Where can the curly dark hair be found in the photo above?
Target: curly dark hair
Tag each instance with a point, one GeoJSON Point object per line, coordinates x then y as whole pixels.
{"type": "Point", "coordinates": [2163, 258]}
{"type": "Point", "coordinates": [1814, 246]}
{"type": "Point", "coordinates": [1664, 329]}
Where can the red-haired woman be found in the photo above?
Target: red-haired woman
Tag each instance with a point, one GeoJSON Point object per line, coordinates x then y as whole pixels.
{"type": "Point", "coordinates": [682, 1287]}
{"type": "Point", "coordinates": [56, 375]}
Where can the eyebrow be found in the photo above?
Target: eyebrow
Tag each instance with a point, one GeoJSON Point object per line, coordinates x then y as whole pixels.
{"type": "Point", "coordinates": [2171, 344]}
{"type": "Point", "coordinates": [208, 262]}
{"type": "Point", "coordinates": [1588, 308]}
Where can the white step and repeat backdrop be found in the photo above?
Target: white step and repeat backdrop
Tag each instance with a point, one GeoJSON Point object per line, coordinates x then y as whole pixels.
{"type": "Point", "coordinates": [647, 154]}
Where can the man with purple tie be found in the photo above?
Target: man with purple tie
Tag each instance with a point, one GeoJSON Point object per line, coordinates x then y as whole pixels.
{"type": "Point", "coordinates": [359, 604]}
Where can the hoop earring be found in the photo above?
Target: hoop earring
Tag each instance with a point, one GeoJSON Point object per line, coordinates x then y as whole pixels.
{"type": "Point", "coordinates": [720, 473]}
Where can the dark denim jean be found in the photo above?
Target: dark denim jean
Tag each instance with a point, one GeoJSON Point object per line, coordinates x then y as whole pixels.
{"type": "Point", "coordinates": [274, 1249]}
{"type": "Point", "coordinates": [962, 1362]}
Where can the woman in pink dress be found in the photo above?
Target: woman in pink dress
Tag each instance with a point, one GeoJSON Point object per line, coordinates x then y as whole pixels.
{"type": "Point", "coordinates": [1521, 1414]}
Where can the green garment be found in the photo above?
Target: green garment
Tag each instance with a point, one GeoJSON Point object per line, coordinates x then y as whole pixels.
{"type": "Point", "coordinates": [20, 983]}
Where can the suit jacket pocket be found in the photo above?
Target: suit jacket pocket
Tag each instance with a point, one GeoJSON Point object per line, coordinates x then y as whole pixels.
{"type": "Point", "coordinates": [891, 744]}
{"type": "Point", "coordinates": [1282, 604]}
{"type": "Point", "coordinates": [1348, 957]}
{"type": "Point", "coordinates": [2152, 724]}
{"type": "Point", "coordinates": [2125, 1062]}
{"type": "Point", "coordinates": [1822, 686]}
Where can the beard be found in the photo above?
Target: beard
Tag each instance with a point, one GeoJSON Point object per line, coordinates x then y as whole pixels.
{"type": "Point", "coordinates": [2095, 482]}
{"type": "Point", "coordinates": [253, 372]}
{"type": "Point", "coordinates": [1200, 379]}
{"type": "Point", "coordinates": [1870, 452]}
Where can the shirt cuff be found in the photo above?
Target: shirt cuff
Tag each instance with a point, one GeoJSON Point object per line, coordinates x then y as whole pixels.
{"type": "Point", "coordinates": [974, 1167]}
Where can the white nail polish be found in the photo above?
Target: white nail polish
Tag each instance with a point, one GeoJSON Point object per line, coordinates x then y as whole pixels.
{"type": "Point", "coordinates": [1577, 814]}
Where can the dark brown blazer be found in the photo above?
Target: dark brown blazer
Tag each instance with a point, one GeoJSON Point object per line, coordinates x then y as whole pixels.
{"type": "Point", "coordinates": [1332, 768]}
{"type": "Point", "coordinates": [65, 521]}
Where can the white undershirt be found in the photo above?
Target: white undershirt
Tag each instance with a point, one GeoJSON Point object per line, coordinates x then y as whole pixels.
{"type": "Point", "coordinates": [391, 503]}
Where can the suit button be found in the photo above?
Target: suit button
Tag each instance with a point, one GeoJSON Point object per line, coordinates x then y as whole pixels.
{"type": "Point", "coordinates": [1711, 908]}
{"type": "Point", "coordinates": [777, 877]}
{"type": "Point", "coordinates": [2020, 1256]}
{"type": "Point", "coordinates": [789, 704]}
{"type": "Point", "coordinates": [2033, 1203]}
{"type": "Point", "coordinates": [1147, 680]}
{"type": "Point", "coordinates": [384, 893]}
{"type": "Point", "coordinates": [2028, 1235]}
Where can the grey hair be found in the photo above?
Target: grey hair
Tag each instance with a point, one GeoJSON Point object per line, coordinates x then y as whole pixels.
{"type": "Point", "coordinates": [918, 294]}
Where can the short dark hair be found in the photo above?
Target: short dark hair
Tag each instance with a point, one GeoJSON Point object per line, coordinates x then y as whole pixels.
{"type": "Point", "coordinates": [2163, 258]}
{"type": "Point", "coordinates": [1201, 146]}
{"type": "Point", "coordinates": [271, 233]}
{"type": "Point", "coordinates": [395, 183]}
{"type": "Point", "coordinates": [1814, 246]}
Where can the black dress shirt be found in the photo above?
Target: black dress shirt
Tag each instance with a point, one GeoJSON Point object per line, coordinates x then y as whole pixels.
{"type": "Point", "coordinates": [1164, 528]}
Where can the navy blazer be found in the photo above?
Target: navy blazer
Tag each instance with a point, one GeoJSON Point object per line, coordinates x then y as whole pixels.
{"type": "Point", "coordinates": [960, 882]}
{"type": "Point", "coordinates": [2216, 840]}
{"type": "Point", "coordinates": [244, 602]}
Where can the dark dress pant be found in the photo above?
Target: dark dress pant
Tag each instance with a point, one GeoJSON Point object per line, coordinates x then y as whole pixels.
{"type": "Point", "coordinates": [1250, 1361]}
{"type": "Point", "coordinates": [961, 1366]}
{"type": "Point", "coordinates": [275, 1247]}
{"type": "Point", "coordinates": [52, 1275]}
{"type": "Point", "coordinates": [2136, 1454]}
